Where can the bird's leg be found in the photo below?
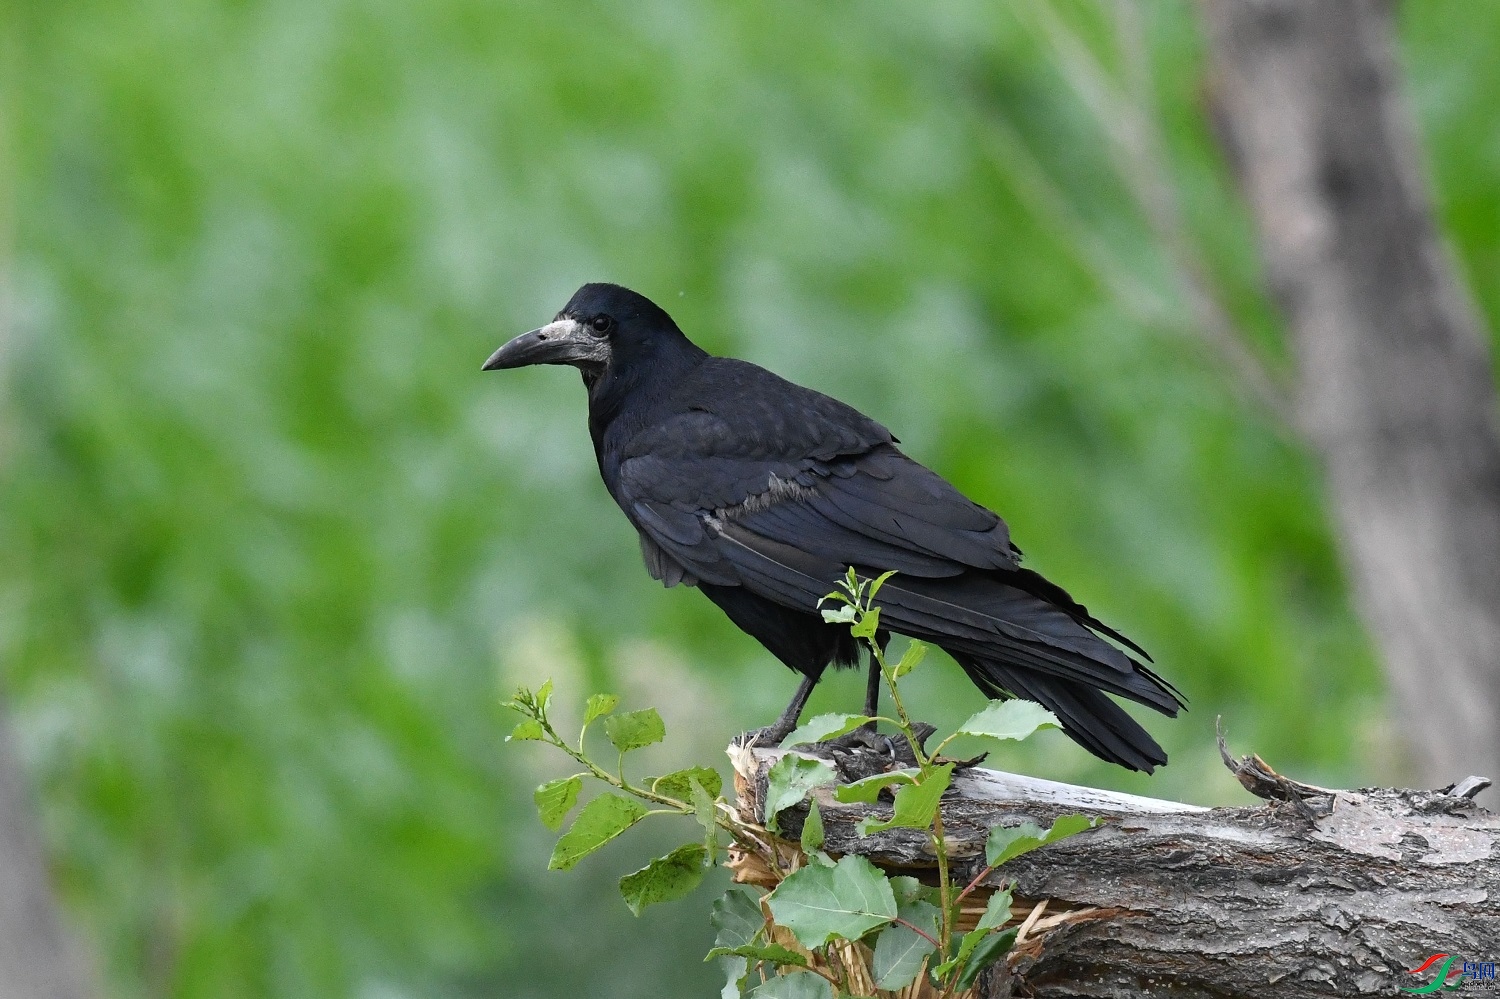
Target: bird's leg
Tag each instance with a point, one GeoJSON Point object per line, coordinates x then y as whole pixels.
{"type": "Point", "coordinates": [866, 736]}
{"type": "Point", "coordinates": [872, 685]}
{"type": "Point", "coordinates": [782, 727]}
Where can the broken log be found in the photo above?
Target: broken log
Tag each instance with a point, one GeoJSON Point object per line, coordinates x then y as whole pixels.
{"type": "Point", "coordinates": [1316, 892]}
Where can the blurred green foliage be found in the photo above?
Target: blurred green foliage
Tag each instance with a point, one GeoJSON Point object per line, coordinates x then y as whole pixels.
{"type": "Point", "coordinates": [271, 548]}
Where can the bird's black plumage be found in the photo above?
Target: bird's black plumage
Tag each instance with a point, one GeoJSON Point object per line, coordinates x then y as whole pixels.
{"type": "Point", "coordinates": [761, 493]}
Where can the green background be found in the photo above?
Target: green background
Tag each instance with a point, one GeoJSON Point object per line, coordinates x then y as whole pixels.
{"type": "Point", "coordinates": [272, 549]}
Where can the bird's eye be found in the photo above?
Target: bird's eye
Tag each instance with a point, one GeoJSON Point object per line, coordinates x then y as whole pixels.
{"type": "Point", "coordinates": [602, 324]}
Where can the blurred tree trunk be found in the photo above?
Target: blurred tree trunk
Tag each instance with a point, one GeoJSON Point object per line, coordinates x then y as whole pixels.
{"type": "Point", "coordinates": [38, 960]}
{"type": "Point", "coordinates": [1396, 389]}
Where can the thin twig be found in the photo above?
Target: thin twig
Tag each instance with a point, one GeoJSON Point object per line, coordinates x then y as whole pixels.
{"type": "Point", "coordinates": [916, 929]}
{"type": "Point", "coordinates": [940, 850]}
{"type": "Point", "coordinates": [1137, 149]}
{"type": "Point", "coordinates": [1031, 184]}
{"type": "Point", "coordinates": [973, 884]}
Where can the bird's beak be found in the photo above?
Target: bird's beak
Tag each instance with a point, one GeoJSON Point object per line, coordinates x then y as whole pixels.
{"type": "Point", "coordinates": [565, 341]}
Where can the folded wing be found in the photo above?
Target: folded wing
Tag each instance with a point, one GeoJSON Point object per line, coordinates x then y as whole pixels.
{"type": "Point", "coordinates": [784, 515]}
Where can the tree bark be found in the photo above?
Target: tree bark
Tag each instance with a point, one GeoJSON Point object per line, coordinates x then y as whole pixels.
{"type": "Point", "coordinates": [1328, 893]}
{"type": "Point", "coordinates": [1396, 388]}
{"type": "Point", "coordinates": [38, 960]}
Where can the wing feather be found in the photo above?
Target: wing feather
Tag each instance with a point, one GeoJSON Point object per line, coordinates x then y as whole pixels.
{"type": "Point", "coordinates": [748, 483]}
{"type": "Point", "coordinates": [798, 578]}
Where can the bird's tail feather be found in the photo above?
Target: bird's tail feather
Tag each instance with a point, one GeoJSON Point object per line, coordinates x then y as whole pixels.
{"type": "Point", "coordinates": [1089, 717]}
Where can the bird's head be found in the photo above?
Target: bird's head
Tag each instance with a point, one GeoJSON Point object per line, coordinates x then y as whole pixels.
{"type": "Point", "coordinates": [600, 325]}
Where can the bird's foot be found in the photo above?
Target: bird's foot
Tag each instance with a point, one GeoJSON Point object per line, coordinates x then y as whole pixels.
{"type": "Point", "coordinates": [865, 752]}
{"type": "Point", "coordinates": [864, 740]}
{"type": "Point", "coordinates": [866, 737]}
{"type": "Point", "coordinates": [763, 738]}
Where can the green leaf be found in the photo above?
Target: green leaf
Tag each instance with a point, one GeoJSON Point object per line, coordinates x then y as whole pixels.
{"type": "Point", "coordinates": [528, 730]}
{"type": "Point", "coordinates": [877, 583]}
{"type": "Point", "coordinates": [543, 695]}
{"type": "Point", "coordinates": [867, 625]}
{"type": "Point", "coordinates": [812, 837]}
{"type": "Point", "coordinates": [823, 728]}
{"type": "Point", "coordinates": [1013, 719]}
{"type": "Point", "coordinates": [665, 878]}
{"type": "Point", "coordinates": [635, 729]}
{"type": "Point", "coordinates": [908, 889]}
{"type": "Point", "coordinates": [839, 615]}
{"type": "Point", "coordinates": [797, 985]}
{"type": "Point", "coordinates": [844, 901]}
{"type": "Point", "coordinates": [867, 789]}
{"type": "Point", "coordinates": [1069, 825]}
{"type": "Point", "coordinates": [996, 911]}
{"type": "Point", "coordinates": [915, 652]}
{"type": "Point", "coordinates": [598, 706]}
{"type": "Point", "coordinates": [915, 803]}
{"type": "Point", "coordinates": [789, 780]}
{"type": "Point", "coordinates": [706, 812]}
{"type": "Point", "coordinates": [556, 798]}
{"type": "Point", "coordinates": [773, 952]}
{"type": "Point", "coordinates": [736, 970]}
{"type": "Point", "coordinates": [738, 920]}
{"type": "Point", "coordinates": [837, 596]}
{"type": "Point", "coordinates": [601, 820]}
{"type": "Point", "coordinates": [677, 784]}
{"type": "Point", "coordinates": [1006, 842]}
{"type": "Point", "coordinates": [900, 950]}
{"type": "Point", "coordinates": [986, 952]}
{"type": "Point", "coordinates": [812, 830]}
{"type": "Point", "coordinates": [737, 917]}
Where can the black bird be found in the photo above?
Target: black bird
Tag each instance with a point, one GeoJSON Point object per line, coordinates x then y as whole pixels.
{"type": "Point", "coordinates": [762, 493]}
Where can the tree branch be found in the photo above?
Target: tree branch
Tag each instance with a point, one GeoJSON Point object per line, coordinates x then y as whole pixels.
{"type": "Point", "coordinates": [1319, 893]}
{"type": "Point", "coordinates": [1138, 151]}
